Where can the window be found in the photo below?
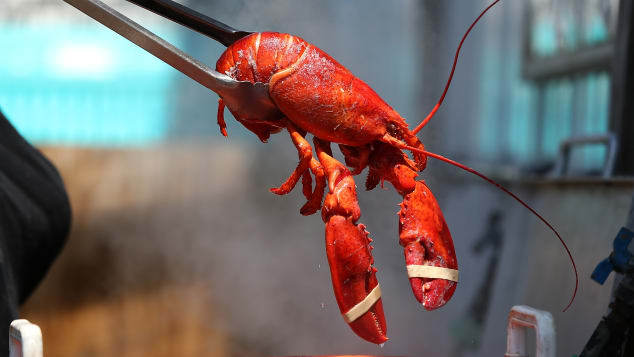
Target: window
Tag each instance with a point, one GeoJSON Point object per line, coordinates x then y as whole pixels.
{"type": "Point", "coordinates": [569, 46]}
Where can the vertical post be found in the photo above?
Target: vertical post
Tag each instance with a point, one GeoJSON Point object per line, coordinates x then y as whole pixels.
{"type": "Point", "coordinates": [622, 90]}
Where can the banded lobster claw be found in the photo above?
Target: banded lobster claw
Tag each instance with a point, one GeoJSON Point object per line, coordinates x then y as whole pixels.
{"type": "Point", "coordinates": [428, 247]}
{"type": "Point", "coordinates": [348, 249]}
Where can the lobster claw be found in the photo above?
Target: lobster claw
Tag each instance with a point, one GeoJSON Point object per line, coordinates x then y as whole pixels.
{"type": "Point", "coordinates": [349, 253]}
{"type": "Point", "coordinates": [429, 253]}
{"type": "Point", "coordinates": [354, 278]}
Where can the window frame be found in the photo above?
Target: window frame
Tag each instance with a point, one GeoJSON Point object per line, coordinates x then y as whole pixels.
{"type": "Point", "coordinates": [614, 56]}
{"type": "Point", "coordinates": [621, 117]}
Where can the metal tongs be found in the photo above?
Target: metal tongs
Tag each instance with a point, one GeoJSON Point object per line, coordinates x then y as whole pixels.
{"type": "Point", "coordinates": [246, 99]}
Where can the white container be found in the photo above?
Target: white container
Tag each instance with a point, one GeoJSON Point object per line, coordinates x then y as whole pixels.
{"type": "Point", "coordinates": [25, 339]}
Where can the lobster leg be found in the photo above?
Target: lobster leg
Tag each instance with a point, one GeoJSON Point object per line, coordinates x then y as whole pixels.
{"type": "Point", "coordinates": [349, 252]}
{"type": "Point", "coordinates": [314, 201]}
{"type": "Point", "coordinates": [356, 157]}
{"type": "Point", "coordinates": [307, 184]}
{"type": "Point", "coordinates": [305, 155]}
{"type": "Point", "coordinates": [263, 129]}
{"type": "Point", "coordinates": [429, 253]}
{"type": "Point", "coordinates": [306, 162]}
{"type": "Point", "coordinates": [221, 117]}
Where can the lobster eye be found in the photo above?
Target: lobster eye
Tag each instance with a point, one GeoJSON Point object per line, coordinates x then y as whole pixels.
{"type": "Point", "coordinates": [391, 128]}
{"type": "Point", "coordinates": [394, 130]}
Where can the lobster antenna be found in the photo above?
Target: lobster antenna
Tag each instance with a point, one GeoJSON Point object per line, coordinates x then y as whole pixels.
{"type": "Point", "coordinates": [491, 181]}
{"type": "Point", "coordinates": [482, 176]}
{"type": "Point", "coordinates": [453, 68]}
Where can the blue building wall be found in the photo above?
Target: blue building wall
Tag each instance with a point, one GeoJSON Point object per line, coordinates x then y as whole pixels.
{"type": "Point", "coordinates": [82, 85]}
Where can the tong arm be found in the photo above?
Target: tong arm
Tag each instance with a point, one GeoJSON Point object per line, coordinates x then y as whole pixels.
{"type": "Point", "coordinates": [249, 100]}
{"type": "Point", "coordinates": [192, 19]}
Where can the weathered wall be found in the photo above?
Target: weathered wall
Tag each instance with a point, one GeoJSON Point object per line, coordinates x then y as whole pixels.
{"type": "Point", "coordinates": [185, 245]}
{"type": "Point", "coordinates": [588, 216]}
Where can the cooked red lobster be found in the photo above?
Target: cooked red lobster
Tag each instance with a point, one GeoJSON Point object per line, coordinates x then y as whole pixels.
{"type": "Point", "coordinates": [317, 95]}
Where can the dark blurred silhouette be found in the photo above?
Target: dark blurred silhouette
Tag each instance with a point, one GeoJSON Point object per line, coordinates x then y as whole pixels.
{"type": "Point", "coordinates": [34, 221]}
{"type": "Point", "coordinates": [468, 331]}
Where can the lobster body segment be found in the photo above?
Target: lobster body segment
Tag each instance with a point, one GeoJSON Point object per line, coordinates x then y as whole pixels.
{"type": "Point", "coordinates": [335, 105]}
{"type": "Point", "coordinates": [318, 95]}
{"type": "Point", "coordinates": [314, 91]}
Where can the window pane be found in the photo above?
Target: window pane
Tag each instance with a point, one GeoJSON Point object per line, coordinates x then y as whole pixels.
{"type": "Point", "coordinates": [558, 26]}
{"type": "Point", "coordinates": [558, 99]}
